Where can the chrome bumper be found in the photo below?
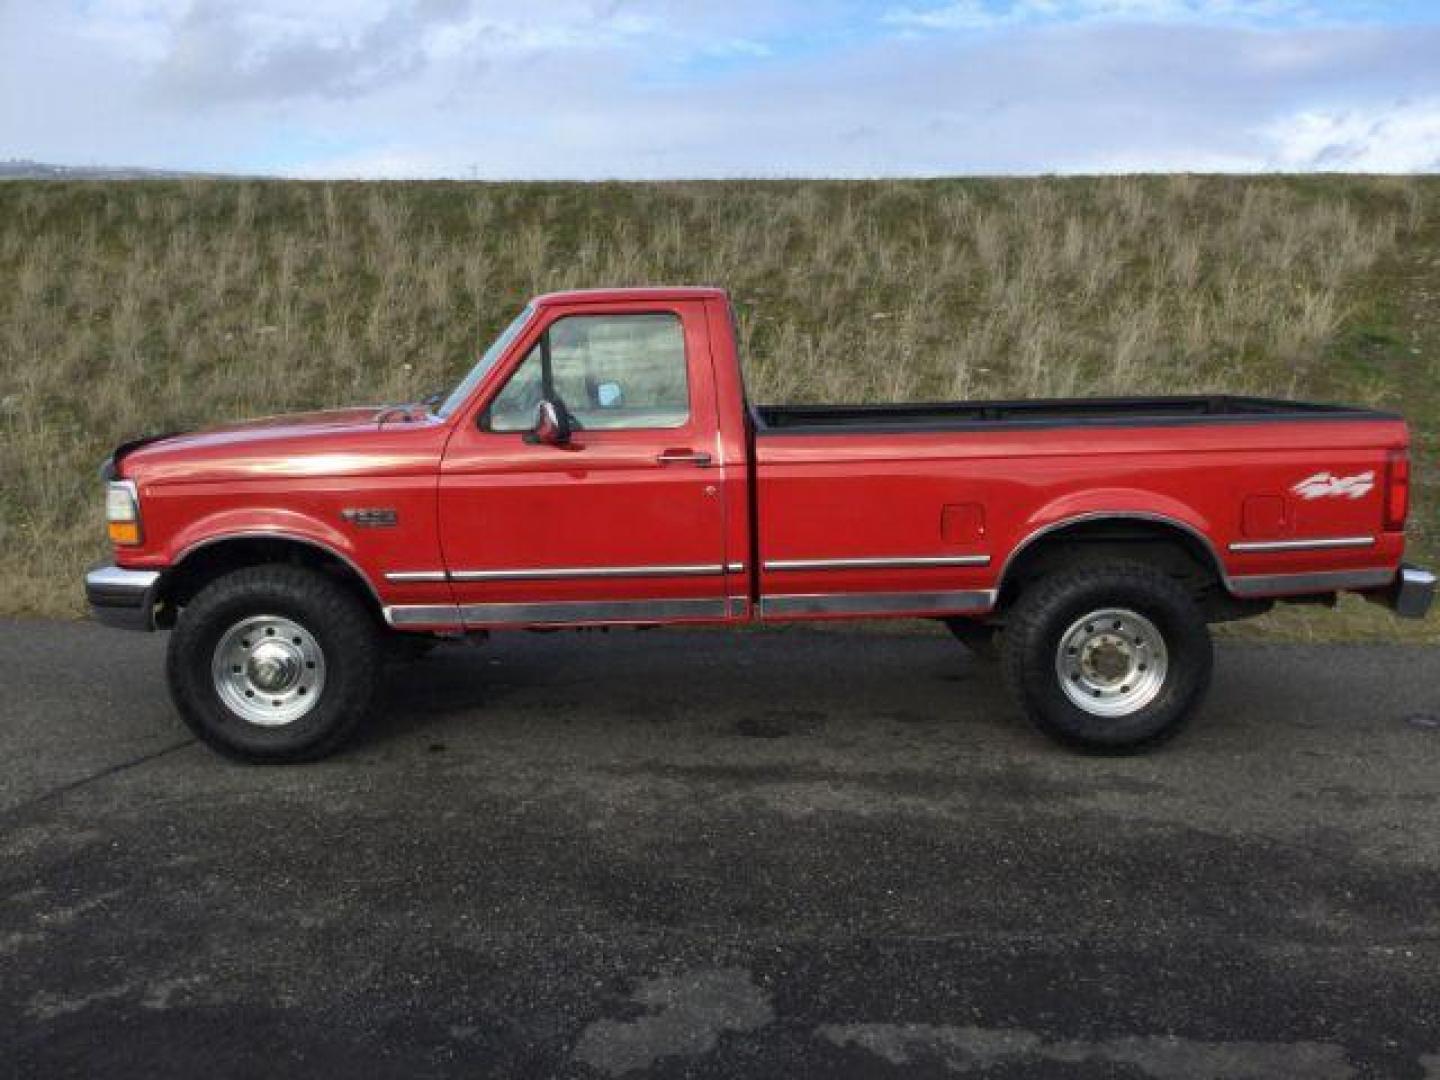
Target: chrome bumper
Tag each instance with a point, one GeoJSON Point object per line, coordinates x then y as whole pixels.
{"type": "Point", "coordinates": [1412, 593]}
{"type": "Point", "coordinates": [122, 598]}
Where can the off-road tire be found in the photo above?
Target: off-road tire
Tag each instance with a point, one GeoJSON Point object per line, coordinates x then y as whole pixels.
{"type": "Point", "coordinates": [335, 617]}
{"type": "Point", "coordinates": [1049, 607]}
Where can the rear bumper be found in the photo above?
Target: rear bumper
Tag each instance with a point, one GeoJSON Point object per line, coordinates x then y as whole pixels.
{"type": "Point", "coordinates": [1411, 594]}
{"type": "Point", "coordinates": [122, 598]}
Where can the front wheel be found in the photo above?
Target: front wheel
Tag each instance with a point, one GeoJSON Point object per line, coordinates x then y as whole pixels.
{"type": "Point", "coordinates": [1110, 657]}
{"type": "Point", "coordinates": [274, 664]}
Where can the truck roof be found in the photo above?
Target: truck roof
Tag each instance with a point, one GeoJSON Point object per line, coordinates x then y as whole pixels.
{"type": "Point", "coordinates": [650, 292]}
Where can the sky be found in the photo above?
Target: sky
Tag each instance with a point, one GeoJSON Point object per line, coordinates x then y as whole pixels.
{"type": "Point", "coordinates": [632, 89]}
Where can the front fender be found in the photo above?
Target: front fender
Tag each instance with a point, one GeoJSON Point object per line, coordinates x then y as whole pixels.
{"type": "Point", "coordinates": [250, 522]}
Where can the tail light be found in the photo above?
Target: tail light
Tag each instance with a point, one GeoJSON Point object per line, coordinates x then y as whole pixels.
{"type": "Point", "coordinates": [1397, 489]}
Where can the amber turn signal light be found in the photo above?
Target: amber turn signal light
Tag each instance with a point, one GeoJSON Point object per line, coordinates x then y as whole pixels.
{"type": "Point", "coordinates": [124, 532]}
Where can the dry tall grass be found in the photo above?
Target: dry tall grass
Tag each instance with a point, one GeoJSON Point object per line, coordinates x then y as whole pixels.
{"type": "Point", "coordinates": [134, 307]}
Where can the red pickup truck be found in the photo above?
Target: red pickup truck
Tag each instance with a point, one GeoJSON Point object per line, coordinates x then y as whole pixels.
{"type": "Point", "coordinates": [600, 466]}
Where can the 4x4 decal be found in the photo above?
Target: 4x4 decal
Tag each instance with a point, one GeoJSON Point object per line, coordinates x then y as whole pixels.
{"type": "Point", "coordinates": [1326, 485]}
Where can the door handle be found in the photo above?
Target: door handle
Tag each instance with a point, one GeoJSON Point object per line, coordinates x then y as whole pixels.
{"type": "Point", "coordinates": [683, 457]}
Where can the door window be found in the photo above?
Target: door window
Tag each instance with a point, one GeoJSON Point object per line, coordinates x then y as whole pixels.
{"type": "Point", "coordinates": [610, 372]}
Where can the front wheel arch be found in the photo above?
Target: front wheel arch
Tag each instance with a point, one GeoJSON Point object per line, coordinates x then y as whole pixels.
{"type": "Point", "coordinates": [212, 559]}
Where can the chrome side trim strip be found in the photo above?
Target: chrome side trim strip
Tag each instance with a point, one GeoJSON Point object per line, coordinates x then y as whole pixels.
{"type": "Point", "coordinates": [423, 615]}
{"type": "Point", "coordinates": [918, 562]}
{"type": "Point", "coordinates": [563, 573]}
{"type": "Point", "coordinates": [948, 603]}
{"type": "Point", "coordinates": [1317, 544]}
{"type": "Point", "coordinates": [592, 611]}
{"type": "Point", "coordinates": [568, 573]}
{"type": "Point", "coordinates": [1319, 582]}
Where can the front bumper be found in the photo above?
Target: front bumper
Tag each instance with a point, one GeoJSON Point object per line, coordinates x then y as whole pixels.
{"type": "Point", "coordinates": [122, 598]}
{"type": "Point", "coordinates": [1412, 593]}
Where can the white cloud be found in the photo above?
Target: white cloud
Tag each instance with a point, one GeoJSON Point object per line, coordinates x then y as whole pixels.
{"type": "Point", "coordinates": [1403, 137]}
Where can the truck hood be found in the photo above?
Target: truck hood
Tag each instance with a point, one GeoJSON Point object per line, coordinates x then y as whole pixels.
{"type": "Point", "coordinates": [299, 422]}
{"type": "Point", "coordinates": [335, 442]}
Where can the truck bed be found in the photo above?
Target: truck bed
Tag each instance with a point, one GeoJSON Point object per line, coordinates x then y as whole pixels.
{"type": "Point", "coordinates": [1042, 412]}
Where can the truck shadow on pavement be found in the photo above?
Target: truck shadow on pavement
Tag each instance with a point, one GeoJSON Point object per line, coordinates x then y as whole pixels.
{"type": "Point", "coordinates": [765, 686]}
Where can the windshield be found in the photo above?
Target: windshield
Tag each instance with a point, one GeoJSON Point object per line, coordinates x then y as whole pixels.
{"type": "Point", "coordinates": [483, 365]}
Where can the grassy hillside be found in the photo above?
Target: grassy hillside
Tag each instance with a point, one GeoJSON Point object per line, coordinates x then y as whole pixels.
{"type": "Point", "coordinates": [144, 306]}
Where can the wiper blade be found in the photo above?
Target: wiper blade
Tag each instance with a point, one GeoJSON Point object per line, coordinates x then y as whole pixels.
{"type": "Point", "coordinates": [390, 411]}
{"type": "Point", "coordinates": [404, 409]}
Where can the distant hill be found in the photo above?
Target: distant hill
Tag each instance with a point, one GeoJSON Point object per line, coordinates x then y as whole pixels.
{"type": "Point", "coordinates": [22, 169]}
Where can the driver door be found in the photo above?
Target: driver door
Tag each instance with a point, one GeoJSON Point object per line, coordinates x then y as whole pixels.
{"type": "Point", "coordinates": [620, 521]}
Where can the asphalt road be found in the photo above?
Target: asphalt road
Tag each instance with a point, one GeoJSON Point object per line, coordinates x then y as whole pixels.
{"type": "Point", "coordinates": [786, 854]}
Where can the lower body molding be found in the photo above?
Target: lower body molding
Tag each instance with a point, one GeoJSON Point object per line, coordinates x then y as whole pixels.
{"type": "Point", "coordinates": [963, 602]}
{"type": "Point", "coordinates": [1261, 585]}
{"type": "Point", "coordinates": [561, 612]}
{"type": "Point", "coordinates": [591, 612]}
{"type": "Point", "coordinates": [806, 605]}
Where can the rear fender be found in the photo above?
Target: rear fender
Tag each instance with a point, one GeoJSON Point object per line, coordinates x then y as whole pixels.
{"type": "Point", "coordinates": [1118, 504]}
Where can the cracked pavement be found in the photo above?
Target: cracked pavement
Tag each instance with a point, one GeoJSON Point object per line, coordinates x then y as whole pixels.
{"type": "Point", "coordinates": [793, 853]}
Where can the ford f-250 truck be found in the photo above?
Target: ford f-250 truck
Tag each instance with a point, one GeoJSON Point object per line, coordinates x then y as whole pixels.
{"type": "Point", "coordinates": [601, 466]}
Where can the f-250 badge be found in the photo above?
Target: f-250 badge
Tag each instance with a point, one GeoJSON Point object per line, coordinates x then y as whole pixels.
{"type": "Point", "coordinates": [1326, 485]}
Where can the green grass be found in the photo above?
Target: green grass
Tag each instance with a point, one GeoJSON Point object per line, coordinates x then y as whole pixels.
{"type": "Point", "coordinates": [130, 307]}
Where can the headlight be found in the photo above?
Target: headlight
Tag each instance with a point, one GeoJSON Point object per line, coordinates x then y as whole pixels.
{"type": "Point", "coordinates": [122, 512]}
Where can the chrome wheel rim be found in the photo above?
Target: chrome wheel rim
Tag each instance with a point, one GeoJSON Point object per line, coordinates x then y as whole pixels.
{"type": "Point", "coordinates": [1111, 662]}
{"type": "Point", "coordinates": [268, 670]}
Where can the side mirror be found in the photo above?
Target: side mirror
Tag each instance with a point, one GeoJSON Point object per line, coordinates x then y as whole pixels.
{"type": "Point", "coordinates": [551, 426]}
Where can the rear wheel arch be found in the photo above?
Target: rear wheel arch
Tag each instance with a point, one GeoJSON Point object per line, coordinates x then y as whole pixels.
{"type": "Point", "coordinates": [1176, 547]}
{"type": "Point", "coordinates": [204, 562]}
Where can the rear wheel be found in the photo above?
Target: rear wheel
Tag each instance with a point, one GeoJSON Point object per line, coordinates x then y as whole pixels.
{"type": "Point", "coordinates": [274, 664]}
{"type": "Point", "coordinates": [1108, 656]}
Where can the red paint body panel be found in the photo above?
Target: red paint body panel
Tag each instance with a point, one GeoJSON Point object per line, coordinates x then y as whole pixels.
{"type": "Point", "coordinates": [604, 501]}
{"type": "Point", "coordinates": [292, 477]}
{"type": "Point", "coordinates": [874, 496]}
{"type": "Point", "coordinates": [471, 502]}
